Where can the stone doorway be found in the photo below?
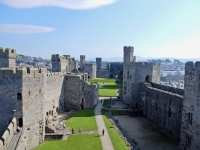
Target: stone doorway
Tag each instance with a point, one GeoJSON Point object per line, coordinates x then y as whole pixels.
{"type": "Point", "coordinates": [147, 78]}
{"type": "Point", "coordinates": [82, 104]}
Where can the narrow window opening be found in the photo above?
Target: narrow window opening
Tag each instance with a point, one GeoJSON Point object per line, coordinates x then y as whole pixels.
{"type": "Point", "coordinates": [189, 139]}
{"type": "Point", "coordinates": [28, 70]}
{"type": "Point", "coordinates": [156, 107]}
{"type": "Point", "coordinates": [169, 112]}
{"type": "Point", "coordinates": [19, 96]}
{"type": "Point", "coordinates": [190, 117]}
{"type": "Point", "coordinates": [20, 120]}
{"type": "Point", "coordinates": [170, 101]}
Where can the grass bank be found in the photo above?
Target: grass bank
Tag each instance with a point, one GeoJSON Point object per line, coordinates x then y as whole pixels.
{"type": "Point", "coordinates": [107, 86]}
{"type": "Point", "coordinates": [84, 119]}
{"type": "Point", "coordinates": [117, 141]}
{"type": "Point", "coordinates": [74, 142]}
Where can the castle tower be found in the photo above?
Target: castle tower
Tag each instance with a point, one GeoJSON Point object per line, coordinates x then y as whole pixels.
{"type": "Point", "coordinates": [190, 131]}
{"type": "Point", "coordinates": [128, 54]}
{"type": "Point", "coordinates": [98, 62]}
{"type": "Point", "coordinates": [7, 57]}
{"type": "Point", "coordinates": [82, 59]}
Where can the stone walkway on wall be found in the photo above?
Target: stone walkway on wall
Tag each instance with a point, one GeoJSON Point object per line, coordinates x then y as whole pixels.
{"type": "Point", "coordinates": [105, 140]}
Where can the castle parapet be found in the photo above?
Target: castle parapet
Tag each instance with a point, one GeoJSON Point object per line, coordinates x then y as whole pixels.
{"type": "Point", "coordinates": [146, 64]}
{"type": "Point", "coordinates": [128, 48]}
{"type": "Point", "coordinates": [7, 53]}
{"type": "Point", "coordinates": [8, 134]}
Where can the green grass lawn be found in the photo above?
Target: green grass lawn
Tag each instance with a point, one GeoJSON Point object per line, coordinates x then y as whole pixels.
{"type": "Point", "coordinates": [74, 142]}
{"type": "Point", "coordinates": [107, 86]}
{"type": "Point", "coordinates": [107, 103]}
{"type": "Point", "coordinates": [117, 141]}
{"type": "Point", "coordinates": [84, 119]}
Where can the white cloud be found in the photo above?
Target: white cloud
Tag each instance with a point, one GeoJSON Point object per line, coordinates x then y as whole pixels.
{"type": "Point", "coordinates": [23, 29]}
{"type": "Point", "coordinates": [68, 4]}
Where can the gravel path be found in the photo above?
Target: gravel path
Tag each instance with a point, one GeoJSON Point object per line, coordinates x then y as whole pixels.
{"type": "Point", "coordinates": [105, 140]}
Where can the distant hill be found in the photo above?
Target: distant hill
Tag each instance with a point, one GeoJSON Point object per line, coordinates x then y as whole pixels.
{"type": "Point", "coordinates": [139, 58]}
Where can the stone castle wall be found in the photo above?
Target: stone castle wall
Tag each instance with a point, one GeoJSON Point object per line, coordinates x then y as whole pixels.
{"type": "Point", "coordinates": [8, 134]}
{"type": "Point", "coordinates": [54, 94]}
{"type": "Point", "coordinates": [90, 69]}
{"type": "Point", "coordinates": [10, 102]}
{"type": "Point", "coordinates": [103, 74]}
{"type": "Point", "coordinates": [162, 105]}
{"type": "Point", "coordinates": [63, 63]}
{"type": "Point", "coordinates": [79, 95]}
{"type": "Point", "coordinates": [190, 127]}
{"type": "Point", "coordinates": [116, 69]}
{"type": "Point", "coordinates": [33, 98]}
{"type": "Point", "coordinates": [133, 74]}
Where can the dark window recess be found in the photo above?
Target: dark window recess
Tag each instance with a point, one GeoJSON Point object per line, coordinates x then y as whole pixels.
{"type": "Point", "coordinates": [83, 88]}
{"type": "Point", "coordinates": [20, 120]}
{"type": "Point", "coordinates": [156, 107]}
{"type": "Point", "coordinates": [189, 139]}
{"type": "Point", "coordinates": [19, 96]}
{"type": "Point", "coordinates": [190, 117]}
{"type": "Point", "coordinates": [28, 70]}
{"type": "Point", "coordinates": [170, 113]}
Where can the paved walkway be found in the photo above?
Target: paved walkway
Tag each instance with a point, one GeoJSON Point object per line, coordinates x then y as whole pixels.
{"type": "Point", "coordinates": [105, 140]}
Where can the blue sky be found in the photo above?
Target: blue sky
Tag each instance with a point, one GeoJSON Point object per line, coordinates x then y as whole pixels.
{"type": "Point", "coordinates": [100, 28]}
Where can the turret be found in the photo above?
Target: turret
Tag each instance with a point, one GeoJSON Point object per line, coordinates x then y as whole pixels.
{"type": "Point", "coordinates": [82, 59]}
{"type": "Point", "coordinates": [128, 54]}
{"type": "Point", "coordinates": [98, 62]}
{"type": "Point", "coordinates": [7, 57]}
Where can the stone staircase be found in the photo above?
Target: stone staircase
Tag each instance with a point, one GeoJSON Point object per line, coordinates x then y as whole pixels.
{"type": "Point", "coordinates": [14, 141]}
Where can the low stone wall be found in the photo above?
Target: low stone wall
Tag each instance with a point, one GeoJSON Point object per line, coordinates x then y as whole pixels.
{"type": "Point", "coordinates": [8, 134]}
{"type": "Point", "coordinates": [128, 141]}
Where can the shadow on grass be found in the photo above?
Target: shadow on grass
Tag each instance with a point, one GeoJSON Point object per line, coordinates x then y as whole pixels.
{"type": "Point", "coordinates": [84, 113]}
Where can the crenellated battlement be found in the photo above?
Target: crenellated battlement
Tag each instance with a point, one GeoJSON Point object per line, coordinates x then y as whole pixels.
{"type": "Point", "coordinates": [23, 70]}
{"type": "Point", "coordinates": [57, 57]}
{"type": "Point", "coordinates": [191, 64]}
{"type": "Point", "coordinates": [7, 53]}
{"type": "Point", "coordinates": [82, 56]}
{"type": "Point", "coordinates": [128, 48]}
{"type": "Point", "coordinates": [145, 64]}
{"type": "Point", "coordinates": [115, 63]}
{"type": "Point", "coordinates": [54, 74]}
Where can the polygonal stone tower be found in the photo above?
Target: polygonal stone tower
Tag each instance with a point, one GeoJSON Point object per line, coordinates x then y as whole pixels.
{"type": "Point", "coordinates": [7, 57]}
{"type": "Point", "coordinates": [190, 125]}
{"type": "Point", "coordinates": [98, 62]}
{"type": "Point", "coordinates": [128, 54]}
{"type": "Point", "coordinates": [82, 59]}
